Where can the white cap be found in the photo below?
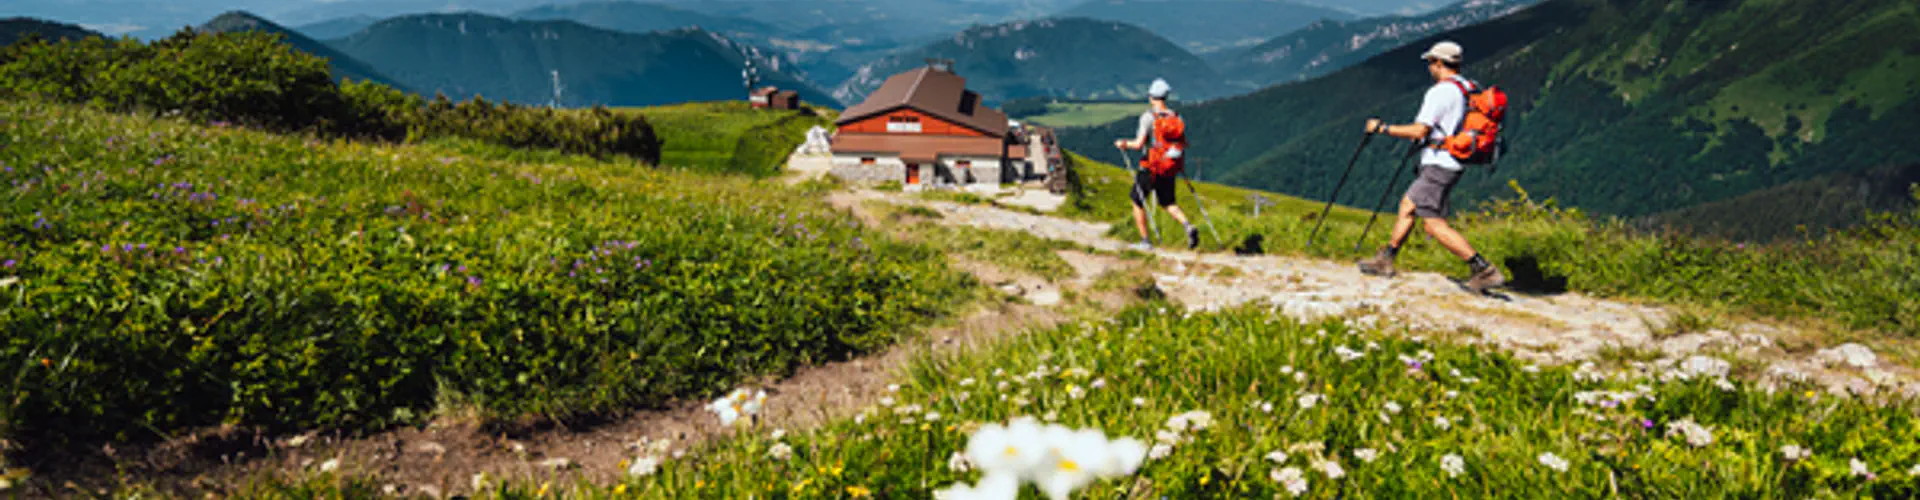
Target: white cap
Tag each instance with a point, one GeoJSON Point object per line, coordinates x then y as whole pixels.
{"type": "Point", "coordinates": [1159, 89]}
{"type": "Point", "coordinates": [1444, 51]}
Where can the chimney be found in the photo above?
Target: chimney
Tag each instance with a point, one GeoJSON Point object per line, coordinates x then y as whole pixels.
{"type": "Point", "coordinates": [941, 65]}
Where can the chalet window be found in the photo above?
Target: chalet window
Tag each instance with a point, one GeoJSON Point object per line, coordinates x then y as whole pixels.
{"type": "Point", "coordinates": [963, 164]}
{"type": "Point", "coordinates": [866, 161]}
{"type": "Point", "coordinates": [903, 124]}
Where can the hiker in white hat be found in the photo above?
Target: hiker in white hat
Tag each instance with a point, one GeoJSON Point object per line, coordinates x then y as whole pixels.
{"type": "Point", "coordinates": [1161, 166]}
{"type": "Point", "coordinates": [1441, 115]}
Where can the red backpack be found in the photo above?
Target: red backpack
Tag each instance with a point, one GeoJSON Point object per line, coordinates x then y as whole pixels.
{"type": "Point", "coordinates": [1478, 140]}
{"type": "Point", "coordinates": [1168, 155]}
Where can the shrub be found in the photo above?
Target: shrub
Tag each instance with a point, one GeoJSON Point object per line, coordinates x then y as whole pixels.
{"type": "Point", "coordinates": [162, 277]}
{"type": "Point", "coordinates": [255, 79]}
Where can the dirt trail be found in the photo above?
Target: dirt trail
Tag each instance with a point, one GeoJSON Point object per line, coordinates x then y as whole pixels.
{"type": "Point", "coordinates": [1564, 328]}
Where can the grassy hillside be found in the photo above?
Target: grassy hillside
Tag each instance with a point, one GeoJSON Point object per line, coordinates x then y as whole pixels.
{"type": "Point", "coordinates": [1204, 26]}
{"type": "Point", "coordinates": [1082, 114]}
{"type": "Point", "coordinates": [329, 284]}
{"type": "Point", "coordinates": [729, 136]}
{"type": "Point", "coordinates": [1856, 278]}
{"type": "Point", "coordinates": [1068, 58]}
{"type": "Point", "coordinates": [1799, 209]}
{"type": "Point", "coordinates": [1620, 107]}
{"type": "Point", "coordinates": [14, 28]}
{"type": "Point", "coordinates": [343, 66]}
{"type": "Point", "coordinates": [464, 55]}
{"type": "Point", "coordinates": [1334, 44]}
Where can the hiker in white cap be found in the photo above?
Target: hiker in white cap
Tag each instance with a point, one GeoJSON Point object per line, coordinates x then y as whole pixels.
{"type": "Point", "coordinates": [1441, 115]}
{"type": "Point", "coordinates": [1161, 166]}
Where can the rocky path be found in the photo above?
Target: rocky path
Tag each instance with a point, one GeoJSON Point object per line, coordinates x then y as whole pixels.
{"type": "Point", "coordinates": [1567, 328]}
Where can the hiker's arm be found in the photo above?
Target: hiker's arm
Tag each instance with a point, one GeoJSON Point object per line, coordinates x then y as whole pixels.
{"type": "Point", "coordinates": [1411, 131]}
{"type": "Point", "coordinates": [1139, 138]}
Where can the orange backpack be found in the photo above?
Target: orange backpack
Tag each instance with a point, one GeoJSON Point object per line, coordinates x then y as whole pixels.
{"type": "Point", "coordinates": [1478, 140]}
{"type": "Point", "coordinates": [1168, 155]}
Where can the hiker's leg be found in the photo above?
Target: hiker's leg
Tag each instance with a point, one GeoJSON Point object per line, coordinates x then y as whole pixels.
{"type": "Point", "coordinates": [1178, 215]}
{"type": "Point", "coordinates": [1140, 220]}
{"type": "Point", "coordinates": [1402, 224]}
{"type": "Point", "coordinates": [1449, 238]}
{"type": "Point", "coordinates": [1141, 183]}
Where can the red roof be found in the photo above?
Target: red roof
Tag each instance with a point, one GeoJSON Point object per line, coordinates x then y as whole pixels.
{"type": "Point", "coordinates": [917, 148]}
{"type": "Point", "coordinates": [934, 92]}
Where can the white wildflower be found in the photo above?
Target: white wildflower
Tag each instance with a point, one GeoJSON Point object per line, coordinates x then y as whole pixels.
{"type": "Point", "coordinates": [643, 466]}
{"type": "Point", "coordinates": [887, 401]}
{"type": "Point", "coordinates": [1075, 392]}
{"type": "Point", "coordinates": [1308, 401]}
{"type": "Point", "coordinates": [1277, 456]}
{"type": "Point", "coordinates": [1347, 354]}
{"type": "Point", "coordinates": [1453, 394]}
{"type": "Point", "coordinates": [1696, 435]}
{"type": "Point", "coordinates": [1393, 408]}
{"type": "Point", "coordinates": [1453, 465]}
{"type": "Point", "coordinates": [1442, 422]}
{"type": "Point", "coordinates": [1915, 471]}
{"type": "Point", "coordinates": [1724, 384]}
{"type": "Point", "coordinates": [1331, 468]}
{"type": "Point", "coordinates": [1140, 402]}
{"type": "Point", "coordinates": [1553, 461]}
{"type": "Point", "coordinates": [893, 387]}
{"type": "Point", "coordinates": [1286, 370]}
{"type": "Point", "coordinates": [1159, 451]}
{"type": "Point", "coordinates": [1794, 453]}
{"type": "Point", "coordinates": [1266, 407]}
{"type": "Point", "coordinates": [1099, 383]}
{"type": "Point", "coordinates": [1010, 449]}
{"type": "Point", "coordinates": [330, 465]}
{"type": "Point", "coordinates": [1292, 479]}
{"type": "Point", "coordinates": [1001, 386]}
{"type": "Point", "coordinates": [932, 416]}
{"type": "Point", "coordinates": [780, 452]}
{"type": "Point", "coordinates": [958, 463]}
{"type": "Point", "coordinates": [1531, 368]}
{"type": "Point", "coordinates": [1859, 469]}
{"type": "Point", "coordinates": [1366, 455]}
{"type": "Point", "coordinates": [967, 382]}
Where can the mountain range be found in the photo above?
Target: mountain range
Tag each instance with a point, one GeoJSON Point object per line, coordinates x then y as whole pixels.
{"type": "Point", "coordinates": [14, 28]}
{"type": "Point", "coordinates": [464, 55]}
{"type": "Point", "coordinates": [343, 66]}
{"type": "Point", "coordinates": [1205, 26]}
{"type": "Point", "coordinates": [1068, 58]}
{"type": "Point", "coordinates": [1627, 107]}
{"type": "Point", "coordinates": [1330, 45]}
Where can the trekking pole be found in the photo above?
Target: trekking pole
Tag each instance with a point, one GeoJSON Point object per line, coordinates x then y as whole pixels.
{"type": "Point", "coordinates": [1203, 209]}
{"type": "Point", "coordinates": [1315, 235]}
{"type": "Point", "coordinates": [1411, 152]}
{"type": "Point", "coordinates": [1153, 223]}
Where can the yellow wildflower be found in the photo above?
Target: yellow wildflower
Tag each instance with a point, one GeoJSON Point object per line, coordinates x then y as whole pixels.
{"type": "Point", "coordinates": [859, 492]}
{"type": "Point", "coordinates": [620, 490]}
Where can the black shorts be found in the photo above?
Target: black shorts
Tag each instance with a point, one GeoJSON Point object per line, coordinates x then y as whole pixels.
{"type": "Point", "coordinates": [1160, 187]}
{"type": "Point", "coordinates": [1430, 192]}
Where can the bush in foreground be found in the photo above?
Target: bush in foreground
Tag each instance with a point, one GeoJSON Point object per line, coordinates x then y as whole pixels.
{"type": "Point", "coordinates": [156, 277]}
{"type": "Point", "coordinates": [255, 79]}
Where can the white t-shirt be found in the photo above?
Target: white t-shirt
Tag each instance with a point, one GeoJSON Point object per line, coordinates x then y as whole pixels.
{"type": "Point", "coordinates": [1444, 108]}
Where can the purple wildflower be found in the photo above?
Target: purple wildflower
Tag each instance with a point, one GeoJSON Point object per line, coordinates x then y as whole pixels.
{"type": "Point", "coordinates": [107, 248]}
{"type": "Point", "coordinates": [9, 264]}
{"type": "Point", "coordinates": [1646, 423]}
{"type": "Point", "coordinates": [473, 280]}
{"type": "Point", "coordinates": [179, 250]}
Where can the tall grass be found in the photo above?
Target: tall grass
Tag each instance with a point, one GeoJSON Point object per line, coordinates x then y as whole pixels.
{"type": "Point", "coordinates": [159, 276]}
{"type": "Point", "coordinates": [1387, 408]}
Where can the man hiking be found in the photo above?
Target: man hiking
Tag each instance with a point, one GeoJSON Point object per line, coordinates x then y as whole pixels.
{"type": "Point", "coordinates": [1160, 167]}
{"type": "Point", "coordinates": [1441, 115]}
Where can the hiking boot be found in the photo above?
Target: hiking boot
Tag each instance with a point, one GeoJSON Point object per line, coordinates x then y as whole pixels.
{"type": "Point", "coordinates": [1487, 279]}
{"type": "Point", "coordinates": [1141, 246]}
{"type": "Point", "coordinates": [1380, 265]}
{"type": "Point", "coordinates": [1193, 237]}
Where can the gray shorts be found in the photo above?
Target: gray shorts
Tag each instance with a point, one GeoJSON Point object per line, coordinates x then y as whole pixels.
{"type": "Point", "coordinates": [1431, 191]}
